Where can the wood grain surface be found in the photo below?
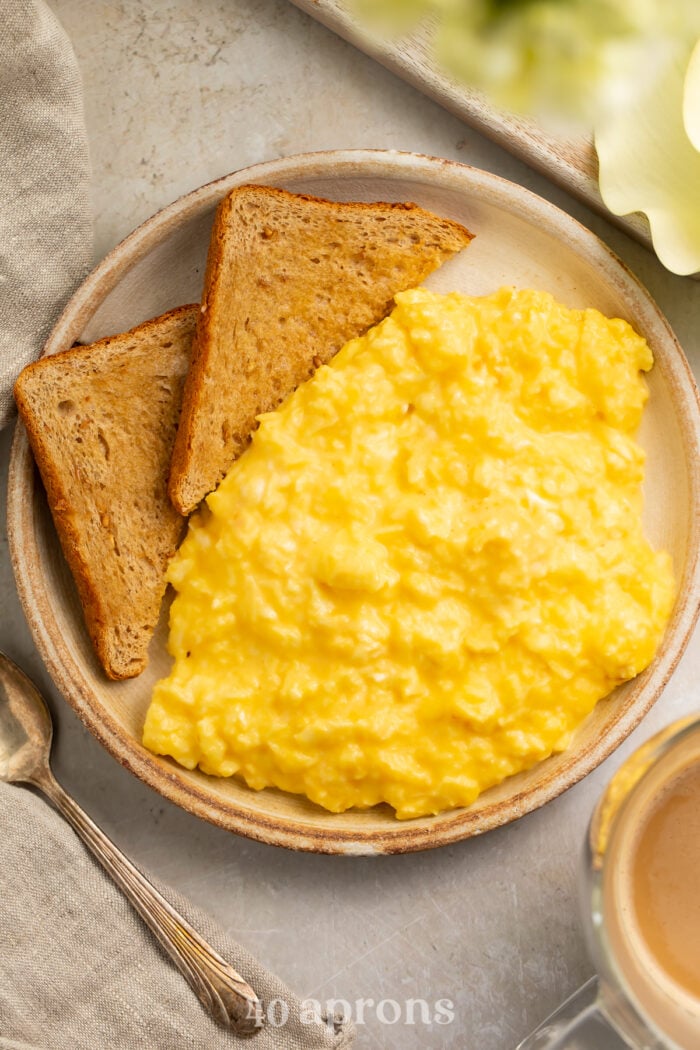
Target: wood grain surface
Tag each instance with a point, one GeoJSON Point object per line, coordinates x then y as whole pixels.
{"type": "Point", "coordinates": [569, 161]}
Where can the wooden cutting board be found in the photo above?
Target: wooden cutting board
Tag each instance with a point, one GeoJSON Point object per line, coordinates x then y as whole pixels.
{"type": "Point", "coordinates": [570, 162]}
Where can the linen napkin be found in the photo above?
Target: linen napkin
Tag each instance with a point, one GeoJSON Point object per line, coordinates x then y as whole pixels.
{"type": "Point", "coordinates": [45, 221]}
{"type": "Point", "coordinates": [78, 968]}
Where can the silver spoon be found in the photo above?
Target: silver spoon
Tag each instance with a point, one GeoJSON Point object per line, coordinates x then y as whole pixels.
{"type": "Point", "coordinates": [25, 745]}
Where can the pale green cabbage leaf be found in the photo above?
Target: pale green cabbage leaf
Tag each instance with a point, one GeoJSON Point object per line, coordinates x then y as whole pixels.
{"type": "Point", "coordinates": [691, 98]}
{"type": "Point", "coordinates": [649, 157]}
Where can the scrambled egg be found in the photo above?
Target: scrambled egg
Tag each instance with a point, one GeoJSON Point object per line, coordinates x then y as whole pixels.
{"type": "Point", "coordinates": [429, 565]}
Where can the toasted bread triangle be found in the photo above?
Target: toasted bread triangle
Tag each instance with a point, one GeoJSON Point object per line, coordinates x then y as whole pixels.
{"type": "Point", "coordinates": [290, 279]}
{"type": "Point", "coordinates": [101, 421]}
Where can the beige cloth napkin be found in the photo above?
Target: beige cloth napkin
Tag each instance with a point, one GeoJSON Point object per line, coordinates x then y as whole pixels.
{"type": "Point", "coordinates": [78, 969]}
{"type": "Point", "coordinates": [45, 223]}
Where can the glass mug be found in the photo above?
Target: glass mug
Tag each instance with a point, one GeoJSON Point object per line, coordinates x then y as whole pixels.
{"type": "Point", "coordinates": [641, 897]}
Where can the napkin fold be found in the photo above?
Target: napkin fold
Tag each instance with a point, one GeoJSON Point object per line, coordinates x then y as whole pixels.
{"type": "Point", "coordinates": [45, 215]}
{"type": "Point", "coordinates": [78, 968]}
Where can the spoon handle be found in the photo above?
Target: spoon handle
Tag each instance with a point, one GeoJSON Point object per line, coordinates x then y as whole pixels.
{"type": "Point", "coordinates": [221, 990]}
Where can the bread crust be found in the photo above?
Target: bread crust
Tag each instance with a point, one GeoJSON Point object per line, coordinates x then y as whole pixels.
{"type": "Point", "coordinates": [261, 265]}
{"type": "Point", "coordinates": [92, 505]}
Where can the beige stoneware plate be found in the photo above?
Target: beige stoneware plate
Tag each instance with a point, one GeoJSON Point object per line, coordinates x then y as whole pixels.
{"type": "Point", "coordinates": [521, 240]}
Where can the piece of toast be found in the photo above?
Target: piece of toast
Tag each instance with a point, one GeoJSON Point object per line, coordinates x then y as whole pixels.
{"type": "Point", "coordinates": [290, 279]}
{"type": "Point", "coordinates": [101, 421]}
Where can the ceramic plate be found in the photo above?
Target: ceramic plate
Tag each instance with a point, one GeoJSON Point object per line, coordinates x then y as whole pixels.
{"type": "Point", "coordinates": [521, 240]}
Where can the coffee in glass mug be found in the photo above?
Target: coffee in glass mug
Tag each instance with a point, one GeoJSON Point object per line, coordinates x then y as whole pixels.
{"type": "Point", "coordinates": [641, 891]}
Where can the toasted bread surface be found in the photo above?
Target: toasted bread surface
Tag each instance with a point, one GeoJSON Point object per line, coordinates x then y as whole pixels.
{"type": "Point", "coordinates": [290, 279]}
{"type": "Point", "coordinates": [101, 421]}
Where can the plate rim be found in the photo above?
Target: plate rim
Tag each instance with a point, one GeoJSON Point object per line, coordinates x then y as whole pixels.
{"type": "Point", "coordinates": [287, 831]}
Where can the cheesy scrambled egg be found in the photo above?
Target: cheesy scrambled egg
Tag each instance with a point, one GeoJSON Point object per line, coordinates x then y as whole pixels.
{"type": "Point", "coordinates": [429, 565]}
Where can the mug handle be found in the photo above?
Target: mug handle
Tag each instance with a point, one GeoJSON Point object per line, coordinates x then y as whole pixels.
{"type": "Point", "coordinates": [583, 1022]}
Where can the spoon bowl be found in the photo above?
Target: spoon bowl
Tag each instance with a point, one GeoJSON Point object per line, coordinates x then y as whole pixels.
{"type": "Point", "coordinates": [26, 729]}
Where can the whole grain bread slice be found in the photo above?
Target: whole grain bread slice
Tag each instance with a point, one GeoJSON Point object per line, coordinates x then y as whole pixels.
{"type": "Point", "coordinates": [101, 420]}
{"type": "Point", "coordinates": [290, 278]}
